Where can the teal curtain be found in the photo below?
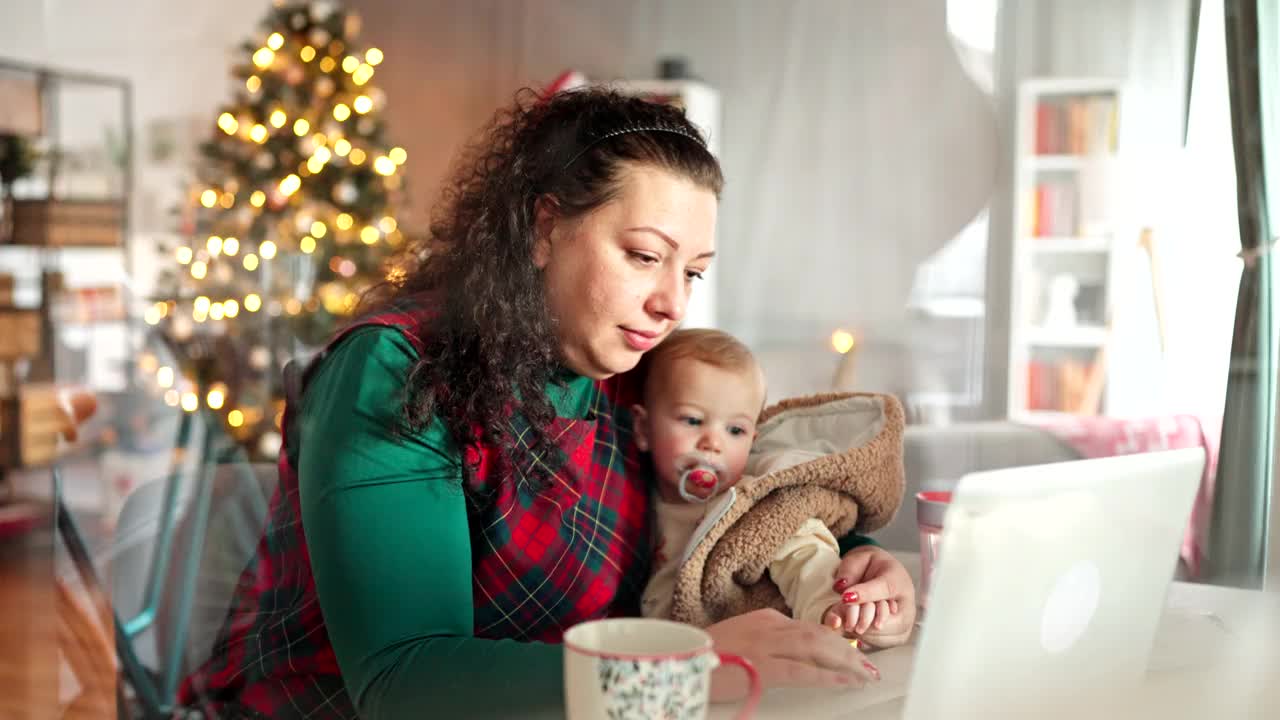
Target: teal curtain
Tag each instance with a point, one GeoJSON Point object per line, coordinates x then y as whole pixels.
{"type": "Point", "coordinates": [1239, 531]}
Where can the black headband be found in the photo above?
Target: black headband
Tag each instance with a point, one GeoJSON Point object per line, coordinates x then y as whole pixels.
{"type": "Point", "coordinates": [638, 128]}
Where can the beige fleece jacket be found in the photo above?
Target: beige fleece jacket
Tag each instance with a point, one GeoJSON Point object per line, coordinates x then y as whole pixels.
{"type": "Point", "coordinates": [835, 459]}
{"type": "Point", "coordinates": [802, 567]}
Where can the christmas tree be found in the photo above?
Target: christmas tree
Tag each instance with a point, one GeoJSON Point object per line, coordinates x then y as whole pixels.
{"type": "Point", "coordinates": [289, 219]}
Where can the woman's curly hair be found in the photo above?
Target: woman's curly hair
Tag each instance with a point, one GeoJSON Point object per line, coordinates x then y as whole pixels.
{"type": "Point", "coordinates": [491, 346]}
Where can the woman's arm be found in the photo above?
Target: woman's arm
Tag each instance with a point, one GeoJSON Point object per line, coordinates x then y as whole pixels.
{"type": "Point", "coordinates": [386, 528]}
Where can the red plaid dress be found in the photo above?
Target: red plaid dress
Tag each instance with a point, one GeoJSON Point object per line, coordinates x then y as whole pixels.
{"type": "Point", "coordinates": [542, 561]}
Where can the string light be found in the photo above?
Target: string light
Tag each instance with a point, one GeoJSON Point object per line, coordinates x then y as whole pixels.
{"type": "Point", "coordinates": [215, 311]}
{"type": "Point", "coordinates": [164, 376]}
{"type": "Point", "coordinates": [214, 245]}
{"type": "Point", "coordinates": [190, 402]}
{"type": "Point", "coordinates": [350, 63]}
{"type": "Point", "coordinates": [235, 418]}
{"type": "Point", "coordinates": [252, 302]}
{"type": "Point", "coordinates": [323, 154]}
{"type": "Point", "coordinates": [373, 56]}
{"type": "Point", "coordinates": [215, 398]}
{"type": "Point", "coordinates": [171, 398]}
{"type": "Point", "coordinates": [258, 133]}
{"type": "Point", "coordinates": [278, 118]}
{"type": "Point", "coordinates": [231, 308]}
{"type": "Point", "coordinates": [263, 57]}
{"type": "Point", "coordinates": [328, 64]}
{"type": "Point", "coordinates": [250, 262]}
{"type": "Point", "coordinates": [258, 198]}
{"type": "Point", "coordinates": [253, 83]}
{"type": "Point", "coordinates": [307, 244]}
{"type": "Point", "coordinates": [362, 104]}
{"type": "Point", "coordinates": [228, 123]}
{"type": "Point", "coordinates": [209, 198]}
{"type": "Point", "coordinates": [290, 185]}
{"type": "Point", "coordinates": [319, 139]}
{"type": "Point", "coordinates": [152, 315]}
{"type": "Point", "coordinates": [318, 229]}
{"type": "Point", "coordinates": [369, 235]}
{"type": "Point", "coordinates": [341, 112]}
{"type": "Point", "coordinates": [301, 127]}
{"type": "Point", "coordinates": [275, 41]}
{"type": "Point", "coordinates": [398, 155]}
{"type": "Point", "coordinates": [384, 165]}
{"type": "Point", "coordinates": [201, 304]}
{"type": "Point", "coordinates": [293, 306]}
{"type": "Point", "coordinates": [388, 224]}
{"type": "Point", "coordinates": [307, 53]}
{"type": "Point", "coordinates": [230, 246]}
{"type": "Point", "coordinates": [343, 221]}
{"type": "Point", "coordinates": [267, 249]}
{"type": "Point", "coordinates": [227, 200]}
{"type": "Point", "coordinates": [357, 156]}
{"type": "Point", "coordinates": [314, 165]}
{"type": "Point", "coordinates": [183, 254]}
{"type": "Point", "coordinates": [199, 269]}
{"type": "Point", "coordinates": [362, 75]}
{"type": "Point", "coordinates": [341, 147]}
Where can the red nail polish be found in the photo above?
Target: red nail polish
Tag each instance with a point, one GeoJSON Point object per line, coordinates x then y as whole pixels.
{"type": "Point", "coordinates": [850, 597]}
{"type": "Point", "coordinates": [841, 584]}
{"type": "Point", "coordinates": [875, 671]}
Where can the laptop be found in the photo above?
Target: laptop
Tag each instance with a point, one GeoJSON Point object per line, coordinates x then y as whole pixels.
{"type": "Point", "coordinates": [1050, 585]}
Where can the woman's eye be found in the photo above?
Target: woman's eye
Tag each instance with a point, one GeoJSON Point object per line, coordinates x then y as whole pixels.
{"type": "Point", "coordinates": [643, 258]}
{"type": "Point", "coordinates": [690, 420]}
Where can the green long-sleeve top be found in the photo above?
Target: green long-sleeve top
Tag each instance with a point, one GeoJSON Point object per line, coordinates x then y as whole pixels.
{"type": "Point", "coordinates": [386, 527]}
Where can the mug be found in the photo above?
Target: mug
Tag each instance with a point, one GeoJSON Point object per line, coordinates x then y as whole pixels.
{"type": "Point", "coordinates": [641, 668]}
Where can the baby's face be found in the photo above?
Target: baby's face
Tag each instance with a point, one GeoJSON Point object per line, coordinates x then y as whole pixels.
{"type": "Point", "coordinates": [698, 410]}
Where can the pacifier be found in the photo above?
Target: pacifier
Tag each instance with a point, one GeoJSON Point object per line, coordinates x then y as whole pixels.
{"type": "Point", "coordinates": [699, 478]}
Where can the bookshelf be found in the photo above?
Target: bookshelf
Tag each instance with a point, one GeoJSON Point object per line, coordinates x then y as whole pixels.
{"type": "Point", "coordinates": [1064, 245]}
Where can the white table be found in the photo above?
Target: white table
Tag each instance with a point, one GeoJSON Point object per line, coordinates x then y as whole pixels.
{"type": "Point", "coordinates": [1216, 655]}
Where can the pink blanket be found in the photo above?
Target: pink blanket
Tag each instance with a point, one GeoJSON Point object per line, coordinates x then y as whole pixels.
{"type": "Point", "coordinates": [1095, 437]}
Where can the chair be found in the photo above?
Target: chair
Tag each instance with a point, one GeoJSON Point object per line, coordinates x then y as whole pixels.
{"type": "Point", "coordinates": [180, 545]}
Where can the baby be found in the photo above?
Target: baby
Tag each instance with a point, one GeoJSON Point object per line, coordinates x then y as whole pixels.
{"type": "Point", "coordinates": [704, 392]}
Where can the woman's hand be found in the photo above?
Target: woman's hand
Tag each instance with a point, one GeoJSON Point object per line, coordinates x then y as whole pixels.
{"type": "Point", "coordinates": [880, 596]}
{"type": "Point", "coordinates": [786, 653]}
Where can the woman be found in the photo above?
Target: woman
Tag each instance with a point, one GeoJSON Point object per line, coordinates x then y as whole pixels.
{"type": "Point", "coordinates": [458, 484]}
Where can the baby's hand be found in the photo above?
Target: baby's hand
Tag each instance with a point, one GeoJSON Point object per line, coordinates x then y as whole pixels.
{"type": "Point", "coordinates": [856, 619]}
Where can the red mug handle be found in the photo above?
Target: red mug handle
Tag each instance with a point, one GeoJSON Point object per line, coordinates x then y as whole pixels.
{"type": "Point", "coordinates": [753, 679]}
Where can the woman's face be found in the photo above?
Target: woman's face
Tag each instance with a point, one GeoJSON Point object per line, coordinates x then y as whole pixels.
{"type": "Point", "coordinates": [618, 279]}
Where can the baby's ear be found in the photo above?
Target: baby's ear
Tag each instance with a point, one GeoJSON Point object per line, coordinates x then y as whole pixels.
{"type": "Point", "coordinates": [640, 427]}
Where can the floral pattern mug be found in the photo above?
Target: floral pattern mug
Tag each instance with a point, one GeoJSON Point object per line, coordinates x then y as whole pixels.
{"type": "Point", "coordinates": [643, 669]}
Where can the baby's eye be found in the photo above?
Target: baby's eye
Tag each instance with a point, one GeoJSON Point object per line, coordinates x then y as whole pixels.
{"type": "Point", "coordinates": [692, 275]}
{"type": "Point", "coordinates": [736, 430]}
{"type": "Point", "coordinates": [690, 420]}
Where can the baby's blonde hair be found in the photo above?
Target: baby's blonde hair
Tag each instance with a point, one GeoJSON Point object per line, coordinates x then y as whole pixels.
{"type": "Point", "coordinates": [714, 347]}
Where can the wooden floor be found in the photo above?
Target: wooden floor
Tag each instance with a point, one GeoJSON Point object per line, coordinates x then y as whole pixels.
{"type": "Point", "coordinates": [36, 679]}
{"type": "Point", "coordinates": [29, 668]}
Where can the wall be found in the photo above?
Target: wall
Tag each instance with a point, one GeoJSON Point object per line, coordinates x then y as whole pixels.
{"type": "Point", "coordinates": [853, 143]}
